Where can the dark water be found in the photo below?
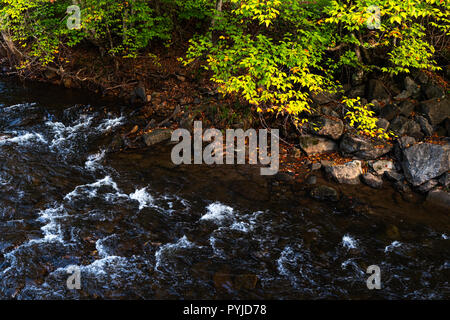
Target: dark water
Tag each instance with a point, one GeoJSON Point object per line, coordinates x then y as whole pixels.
{"type": "Point", "coordinates": [140, 227]}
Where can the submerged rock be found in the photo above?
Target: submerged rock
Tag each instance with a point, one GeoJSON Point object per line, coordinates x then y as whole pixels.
{"type": "Point", "coordinates": [346, 173]}
{"type": "Point", "coordinates": [360, 147]}
{"type": "Point", "coordinates": [439, 198]}
{"type": "Point", "coordinates": [312, 145]}
{"type": "Point", "coordinates": [422, 162]}
{"type": "Point", "coordinates": [324, 193]}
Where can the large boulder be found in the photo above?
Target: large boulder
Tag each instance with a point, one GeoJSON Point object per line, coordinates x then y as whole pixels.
{"type": "Point", "coordinates": [425, 161]}
{"type": "Point", "coordinates": [348, 173]}
{"type": "Point", "coordinates": [436, 110]}
{"type": "Point", "coordinates": [329, 127]}
{"type": "Point", "coordinates": [312, 145]}
{"type": "Point", "coordinates": [352, 145]}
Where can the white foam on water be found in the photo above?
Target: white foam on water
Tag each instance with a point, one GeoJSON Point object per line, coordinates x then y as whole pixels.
{"type": "Point", "coordinates": [217, 212]}
{"type": "Point", "coordinates": [182, 243]}
{"type": "Point", "coordinates": [92, 162]}
{"type": "Point", "coordinates": [66, 133]}
{"type": "Point", "coordinates": [218, 252]}
{"type": "Point", "coordinates": [392, 246]}
{"type": "Point", "coordinates": [109, 124]}
{"type": "Point", "coordinates": [102, 249]}
{"type": "Point", "coordinates": [349, 242]}
{"type": "Point", "coordinates": [19, 106]}
{"type": "Point", "coordinates": [143, 197]}
{"type": "Point", "coordinates": [91, 189]}
{"type": "Point", "coordinates": [445, 237]}
{"type": "Point", "coordinates": [52, 230]}
{"type": "Point", "coordinates": [23, 138]}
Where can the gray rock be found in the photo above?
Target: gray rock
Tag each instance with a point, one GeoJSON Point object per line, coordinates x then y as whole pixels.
{"type": "Point", "coordinates": [324, 97]}
{"type": "Point", "coordinates": [157, 136]}
{"type": "Point", "coordinates": [311, 179]}
{"type": "Point", "coordinates": [425, 161]}
{"type": "Point", "coordinates": [412, 129]}
{"type": "Point", "coordinates": [360, 147]}
{"type": "Point", "coordinates": [324, 193]}
{"type": "Point", "coordinates": [411, 86]}
{"type": "Point", "coordinates": [426, 127]}
{"type": "Point", "coordinates": [389, 112]}
{"type": "Point", "coordinates": [439, 198]}
{"type": "Point", "coordinates": [372, 180]}
{"type": "Point", "coordinates": [405, 94]}
{"type": "Point", "coordinates": [381, 166]}
{"type": "Point", "coordinates": [406, 108]}
{"type": "Point", "coordinates": [436, 110]}
{"type": "Point", "coordinates": [433, 91]}
{"type": "Point", "coordinates": [397, 124]}
{"type": "Point", "coordinates": [427, 186]}
{"type": "Point", "coordinates": [329, 127]}
{"type": "Point", "coordinates": [358, 91]}
{"type": "Point", "coordinates": [377, 90]}
{"type": "Point", "coordinates": [316, 166]}
{"type": "Point", "coordinates": [445, 179]}
{"type": "Point", "coordinates": [393, 176]}
{"type": "Point", "coordinates": [312, 145]}
{"type": "Point", "coordinates": [383, 123]}
{"type": "Point", "coordinates": [140, 93]}
{"type": "Point", "coordinates": [346, 173]}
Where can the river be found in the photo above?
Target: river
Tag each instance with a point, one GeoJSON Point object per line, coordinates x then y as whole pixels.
{"type": "Point", "coordinates": [140, 227]}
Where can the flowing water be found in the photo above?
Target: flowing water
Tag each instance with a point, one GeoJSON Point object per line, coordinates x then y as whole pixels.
{"type": "Point", "coordinates": [140, 227]}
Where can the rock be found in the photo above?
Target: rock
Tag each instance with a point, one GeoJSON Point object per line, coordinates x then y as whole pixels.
{"type": "Point", "coordinates": [347, 173]}
{"type": "Point", "coordinates": [357, 77]}
{"type": "Point", "coordinates": [50, 74]}
{"type": "Point", "coordinates": [393, 176]}
{"type": "Point", "coordinates": [324, 97]}
{"type": "Point", "coordinates": [445, 179]}
{"type": "Point", "coordinates": [328, 112]}
{"type": "Point", "coordinates": [157, 136]}
{"type": "Point", "coordinates": [406, 108]}
{"type": "Point", "coordinates": [140, 93]}
{"type": "Point", "coordinates": [412, 129]}
{"type": "Point", "coordinates": [284, 177]}
{"type": "Point", "coordinates": [316, 166]}
{"type": "Point", "coordinates": [116, 144]}
{"type": "Point", "coordinates": [360, 147]}
{"type": "Point", "coordinates": [397, 124]}
{"type": "Point", "coordinates": [67, 82]}
{"type": "Point", "coordinates": [329, 127]}
{"type": "Point", "coordinates": [381, 166]}
{"type": "Point", "coordinates": [358, 91]}
{"type": "Point", "coordinates": [312, 145]}
{"type": "Point", "coordinates": [372, 180]}
{"type": "Point", "coordinates": [405, 94]}
{"type": "Point", "coordinates": [402, 187]}
{"type": "Point", "coordinates": [312, 179]}
{"type": "Point", "coordinates": [324, 193]}
{"type": "Point", "coordinates": [377, 90]}
{"type": "Point", "coordinates": [411, 86]}
{"type": "Point", "coordinates": [426, 127]}
{"type": "Point", "coordinates": [389, 112]}
{"type": "Point", "coordinates": [427, 186]}
{"type": "Point", "coordinates": [433, 91]}
{"type": "Point", "coordinates": [439, 198]}
{"type": "Point", "coordinates": [436, 110]}
{"type": "Point", "coordinates": [383, 123]}
{"type": "Point", "coordinates": [422, 162]}
{"type": "Point", "coordinates": [392, 232]}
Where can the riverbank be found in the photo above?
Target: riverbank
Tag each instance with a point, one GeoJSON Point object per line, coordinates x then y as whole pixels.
{"type": "Point", "coordinates": [162, 96]}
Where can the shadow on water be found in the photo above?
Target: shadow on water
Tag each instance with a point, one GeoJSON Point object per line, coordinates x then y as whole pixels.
{"type": "Point", "coordinates": [140, 227]}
